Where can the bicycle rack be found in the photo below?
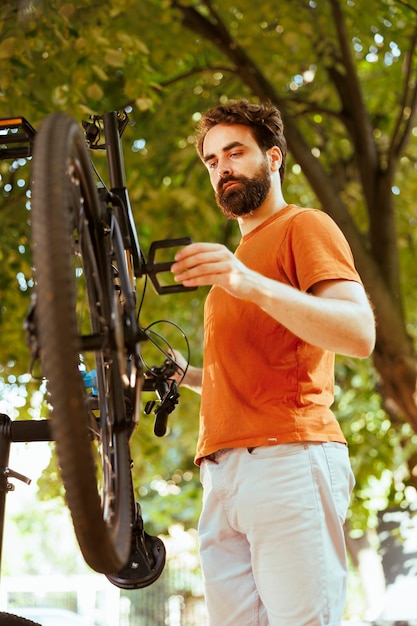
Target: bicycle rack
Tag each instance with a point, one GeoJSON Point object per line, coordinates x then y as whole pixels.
{"type": "Point", "coordinates": [16, 431]}
{"type": "Point", "coordinates": [16, 138]}
{"type": "Point", "coordinates": [147, 557]}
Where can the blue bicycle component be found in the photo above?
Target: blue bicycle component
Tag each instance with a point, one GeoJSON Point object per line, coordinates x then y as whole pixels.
{"type": "Point", "coordinates": [90, 381]}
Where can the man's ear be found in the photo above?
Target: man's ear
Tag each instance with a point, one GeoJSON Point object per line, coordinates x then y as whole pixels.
{"type": "Point", "coordinates": [275, 158]}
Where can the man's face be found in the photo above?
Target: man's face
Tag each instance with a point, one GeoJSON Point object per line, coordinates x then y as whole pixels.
{"type": "Point", "coordinates": [239, 170]}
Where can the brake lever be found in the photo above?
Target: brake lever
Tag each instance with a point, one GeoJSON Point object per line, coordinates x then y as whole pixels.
{"type": "Point", "coordinates": [166, 407]}
{"type": "Point", "coordinates": [168, 395]}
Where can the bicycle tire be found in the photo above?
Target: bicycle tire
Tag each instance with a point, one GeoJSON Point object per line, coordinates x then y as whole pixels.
{"type": "Point", "coordinates": [9, 619]}
{"type": "Point", "coordinates": [66, 229]}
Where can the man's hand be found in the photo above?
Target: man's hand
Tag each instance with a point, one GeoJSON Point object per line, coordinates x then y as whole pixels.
{"type": "Point", "coordinates": [201, 264]}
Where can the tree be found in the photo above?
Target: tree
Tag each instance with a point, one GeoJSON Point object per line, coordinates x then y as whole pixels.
{"type": "Point", "coordinates": [335, 105]}
{"type": "Point", "coordinates": [344, 75]}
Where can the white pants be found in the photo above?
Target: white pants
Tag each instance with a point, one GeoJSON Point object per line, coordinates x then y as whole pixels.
{"type": "Point", "coordinates": [271, 535]}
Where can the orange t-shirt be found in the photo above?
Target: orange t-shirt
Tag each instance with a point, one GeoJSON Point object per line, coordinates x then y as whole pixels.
{"type": "Point", "coordinates": [263, 385]}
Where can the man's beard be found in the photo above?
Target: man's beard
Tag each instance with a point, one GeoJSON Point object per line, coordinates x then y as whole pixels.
{"type": "Point", "coordinates": [246, 197]}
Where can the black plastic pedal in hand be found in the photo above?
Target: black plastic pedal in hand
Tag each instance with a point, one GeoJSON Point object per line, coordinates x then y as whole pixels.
{"type": "Point", "coordinates": [153, 268]}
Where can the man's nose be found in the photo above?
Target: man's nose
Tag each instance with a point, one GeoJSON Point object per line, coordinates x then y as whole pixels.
{"type": "Point", "coordinates": [224, 170]}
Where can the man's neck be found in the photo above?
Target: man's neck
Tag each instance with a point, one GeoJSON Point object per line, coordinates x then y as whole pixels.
{"type": "Point", "coordinates": [270, 207]}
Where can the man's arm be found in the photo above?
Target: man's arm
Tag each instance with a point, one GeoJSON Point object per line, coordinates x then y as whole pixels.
{"type": "Point", "coordinates": [193, 376]}
{"type": "Point", "coordinates": [193, 379]}
{"type": "Point", "coordinates": [336, 315]}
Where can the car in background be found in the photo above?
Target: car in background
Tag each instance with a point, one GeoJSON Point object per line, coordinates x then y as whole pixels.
{"type": "Point", "coordinates": [46, 616]}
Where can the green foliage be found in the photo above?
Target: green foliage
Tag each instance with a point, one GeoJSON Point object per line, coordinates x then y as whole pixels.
{"type": "Point", "coordinates": [379, 445]}
{"type": "Point", "coordinates": [53, 547]}
{"type": "Point", "coordinates": [167, 59]}
{"type": "Point", "coordinates": [79, 57]}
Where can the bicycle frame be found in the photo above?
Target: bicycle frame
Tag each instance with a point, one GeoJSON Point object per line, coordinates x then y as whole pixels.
{"type": "Point", "coordinates": [122, 206]}
{"type": "Point", "coordinates": [113, 125]}
{"type": "Point", "coordinates": [118, 187]}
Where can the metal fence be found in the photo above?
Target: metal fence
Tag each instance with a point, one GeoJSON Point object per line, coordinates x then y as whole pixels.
{"type": "Point", "coordinates": [175, 599]}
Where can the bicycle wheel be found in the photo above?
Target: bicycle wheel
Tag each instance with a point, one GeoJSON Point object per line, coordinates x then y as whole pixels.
{"type": "Point", "coordinates": [79, 328]}
{"type": "Point", "coordinates": [8, 619]}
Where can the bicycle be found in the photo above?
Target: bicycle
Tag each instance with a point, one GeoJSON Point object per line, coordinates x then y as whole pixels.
{"type": "Point", "coordinates": [84, 328]}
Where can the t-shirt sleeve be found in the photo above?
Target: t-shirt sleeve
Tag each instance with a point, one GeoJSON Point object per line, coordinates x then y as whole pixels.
{"type": "Point", "coordinates": [316, 250]}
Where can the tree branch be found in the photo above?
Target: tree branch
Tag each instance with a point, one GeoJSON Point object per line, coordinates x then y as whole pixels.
{"type": "Point", "coordinates": [409, 100]}
{"type": "Point", "coordinates": [355, 113]}
{"type": "Point", "coordinates": [215, 31]}
{"type": "Point", "coordinates": [407, 5]}
{"type": "Point", "coordinates": [195, 71]}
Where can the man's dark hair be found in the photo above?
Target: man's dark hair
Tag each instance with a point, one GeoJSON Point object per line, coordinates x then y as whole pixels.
{"type": "Point", "coordinates": [263, 119]}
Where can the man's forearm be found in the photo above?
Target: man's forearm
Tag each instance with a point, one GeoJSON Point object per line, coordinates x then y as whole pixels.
{"type": "Point", "coordinates": [193, 379]}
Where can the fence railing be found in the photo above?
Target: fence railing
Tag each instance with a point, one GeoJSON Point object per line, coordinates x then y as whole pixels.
{"type": "Point", "coordinates": [175, 599]}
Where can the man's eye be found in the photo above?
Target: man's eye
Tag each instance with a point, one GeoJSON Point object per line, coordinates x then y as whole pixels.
{"type": "Point", "coordinates": [211, 165]}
